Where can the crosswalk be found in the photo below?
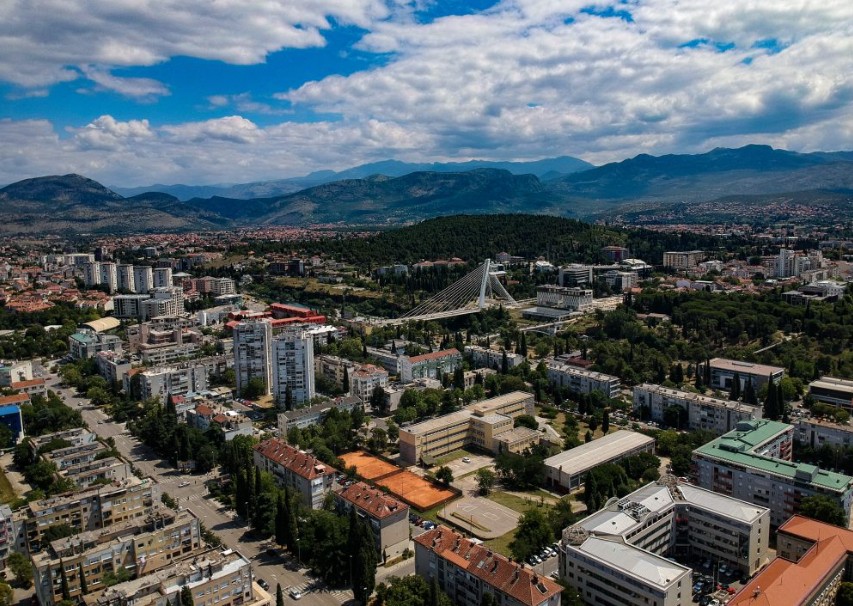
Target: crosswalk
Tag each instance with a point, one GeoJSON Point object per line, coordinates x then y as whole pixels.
{"type": "Point", "coordinates": [338, 595]}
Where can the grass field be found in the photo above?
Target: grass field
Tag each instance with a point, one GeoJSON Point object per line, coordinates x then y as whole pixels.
{"type": "Point", "coordinates": [7, 494]}
{"type": "Point", "coordinates": [519, 504]}
{"type": "Point", "coordinates": [501, 544]}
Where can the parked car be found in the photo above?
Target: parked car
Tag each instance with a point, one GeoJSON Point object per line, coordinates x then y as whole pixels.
{"type": "Point", "coordinates": [466, 459]}
{"type": "Point", "coordinates": [264, 585]}
{"type": "Point", "coordinates": [295, 594]}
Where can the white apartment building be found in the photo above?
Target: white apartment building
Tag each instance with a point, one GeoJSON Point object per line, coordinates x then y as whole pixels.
{"type": "Point", "coordinates": [126, 280]}
{"type": "Point", "coordinates": [161, 382]}
{"type": "Point", "coordinates": [164, 301]}
{"type": "Point", "coordinates": [92, 274]}
{"type": "Point", "coordinates": [484, 357]}
{"type": "Point", "coordinates": [15, 372]}
{"type": "Point", "coordinates": [683, 260]}
{"type": "Point", "coordinates": [333, 368]}
{"type": "Point", "coordinates": [113, 366]}
{"type": "Point", "coordinates": [216, 286]}
{"type": "Point", "coordinates": [162, 277]}
{"type": "Point", "coordinates": [620, 280]}
{"type": "Point", "coordinates": [293, 367]}
{"type": "Point", "coordinates": [703, 412]}
{"type": "Point", "coordinates": [143, 278]}
{"type": "Point", "coordinates": [364, 379]}
{"type": "Point", "coordinates": [815, 433]}
{"type": "Point", "coordinates": [253, 353]}
{"type": "Point", "coordinates": [109, 276]}
{"type": "Point", "coordinates": [564, 297]}
{"type": "Point", "coordinates": [129, 306]}
{"type": "Point", "coordinates": [84, 345]}
{"type": "Point", "coordinates": [753, 463]}
{"type": "Point", "coordinates": [581, 381]}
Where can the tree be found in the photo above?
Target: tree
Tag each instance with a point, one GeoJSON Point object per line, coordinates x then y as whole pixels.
{"type": "Point", "coordinates": [66, 592]}
{"type": "Point", "coordinates": [362, 551]}
{"type": "Point", "coordinates": [772, 406]}
{"type": "Point", "coordinates": [844, 597]}
{"type": "Point", "coordinates": [255, 388]}
{"type": "Point", "coordinates": [345, 387]}
{"type": "Point", "coordinates": [532, 534]}
{"type": "Point", "coordinates": [279, 595]}
{"type": "Point", "coordinates": [7, 594]}
{"type": "Point", "coordinates": [281, 520]}
{"type": "Point", "coordinates": [20, 566]}
{"type": "Point", "coordinates": [526, 421]}
{"type": "Point", "coordinates": [749, 395]}
{"type": "Point", "coordinates": [824, 509]}
{"type": "Point", "coordinates": [84, 589]}
{"type": "Point", "coordinates": [187, 596]}
{"type": "Point", "coordinates": [444, 475]}
{"type": "Point", "coordinates": [734, 393]}
{"type": "Point", "coordinates": [485, 479]}
{"type": "Point", "coordinates": [408, 591]}
{"type": "Point", "coordinates": [377, 398]}
{"type": "Point", "coordinates": [605, 421]}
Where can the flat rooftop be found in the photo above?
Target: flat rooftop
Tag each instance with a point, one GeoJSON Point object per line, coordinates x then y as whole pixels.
{"type": "Point", "coordinates": [699, 398]}
{"type": "Point", "coordinates": [745, 367]}
{"type": "Point", "coordinates": [726, 506]}
{"type": "Point", "coordinates": [843, 385]}
{"type": "Point", "coordinates": [634, 562]}
{"type": "Point", "coordinates": [599, 451]}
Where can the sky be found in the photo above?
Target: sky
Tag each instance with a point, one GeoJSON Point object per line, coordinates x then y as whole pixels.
{"type": "Point", "coordinates": [136, 92]}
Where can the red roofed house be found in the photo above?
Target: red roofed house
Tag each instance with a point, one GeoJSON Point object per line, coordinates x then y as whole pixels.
{"type": "Point", "coordinates": [813, 558]}
{"type": "Point", "coordinates": [465, 571]}
{"type": "Point", "coordinates": [431, 366]}
{"type": "Point", "coordinates": [387, 517]}
{"type": "Point", "coordinates": [33, 387]}
{"type": "Point", "coordinates": [309, 477]}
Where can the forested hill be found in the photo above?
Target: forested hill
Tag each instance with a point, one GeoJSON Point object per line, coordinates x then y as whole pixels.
{"type": "Point", "coordinates": [477, 237]}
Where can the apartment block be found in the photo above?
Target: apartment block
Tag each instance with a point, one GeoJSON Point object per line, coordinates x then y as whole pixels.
{"type": "Point", "coordinates": [293, 367]}
{"type": "Point", "coordinates": [139, 547]}
{"type": "Point", "coordinates": [688, 259]}
{"type": "Point", "coordinates": [253, 353]}
{"type": "Point", "coordinates": [333, 368]}
{"type": "Point", "coordinates": [703, 412]}
{"type": "Point", "coordinates": [431, 365]}
{"type": "Point", "coordinates": [177, 381]}
{"type": "Point", "coordinates": [723, 372]}
{"type": "Point", "coordinates": [312, 415]}
{"type": "Point", "coordinates": [479, 424]}
{"type": "Point", "coordinates": [84, 345]}
{"type": "Point", "coordinates": [129, 306]}
{"type": "Point", "coordinates": [13, 372]}
{"type": "Point", "coordinates": [10, 414]}
{"type": "Point", "coordinates": [564, 297]}
{"type": "Point", "coordinates": [567, 470]}
{"type": "Point", "coordinates": [466, 571]}
{"type": "Point", "coordinates": [216, 286]}
{"type": "Point", "coordinates": [364, 379]}
{"type": "Point", "coordinates": [387, 517]}
{"type": "Point", "coordinates": [92, 274]}
{"type": "Point", "coordinates": [143, 278]}
{"type": "Point", "coordinates": [162, 277]}
{"type": "Point", "coordinates": [305, 474]}
{"type": "Point", "coordinates": [94, 508]}
{"type": "Point", "coordinates": [815, 433]}
{"type": "Point", "coordinates": [753, 463]}
{"type": "Point", "coordinates": [484, 357]}
{"type": "Point", "coordinates": [229, 422]}
{"type": "Point", "coordinates": [620, 281]}
{"type": "Point", "coordinates": [112, 366]}
{"type": "Point", "coordinates": [814, 558]}
{"type": "Point", "coordinates": [581, 381]}
{"type": "Point", "coordinates": [836, 392]}
{"type": "Point", "coordinates": [126, 282]}
{"type": "Point", "coordinates": [109, 276]}
{"type": "Point", "coordinates": [8, 532]}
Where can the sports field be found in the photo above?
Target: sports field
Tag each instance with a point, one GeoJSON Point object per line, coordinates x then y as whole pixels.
{"type": "Point", "coordinates": [411, 488]}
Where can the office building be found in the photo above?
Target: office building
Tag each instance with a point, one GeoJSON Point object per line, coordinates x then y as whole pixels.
{"type": "Point", "coordinates": [109, 276]}
{"type": "Point", "coordinates": [431, 365]}
{"type": "Point", "coordinates": [293, 368]}
{"type": "Point", "coordinates": [723, 372]}
{"type": "Point", "coordinates": [253, 353]}
{"type": "Point", "coordinates": [581, 381]}
{"type": "Point", "coordinates": [481, 424]}
{"type": "Point", "coordinates": [308, 477]}
{"type": "Point", "coordinates": [683, 260]}
{"type": "Point", "coordinates": [619, 281]}
{"type": "Point", "coordinates": [84, 345]}
{"type": "Point", "coordinates": [387, 517]}
{"type": "Point", "coordinates": [567, 470]}
{"type": "Point", "coordinates": [485, 357]}
{"type": "Point", "coordinates": [753, 463]}
{"type": "Point", "coordinates": [126, 282]}
{"type": "Point", "coordinates": [364, 379]}
{"type": "Point", "coordinates": [143, 278]}
{"type": "Point", "coordinates": [564, 297]}
{"type": "Point", "coordinates": [574, 275]}
{"type": "Point", "coordinates": [813, 559]}
{"type": "Point", "coordinates": [703, 412]}
{"type": "Point", "coordinates": [836, 392]}
{"type": "Point", "coordinates": [466, 570]}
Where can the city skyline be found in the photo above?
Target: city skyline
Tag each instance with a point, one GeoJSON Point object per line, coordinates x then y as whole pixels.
{"type": "Point", "coordinates": [137, 94]}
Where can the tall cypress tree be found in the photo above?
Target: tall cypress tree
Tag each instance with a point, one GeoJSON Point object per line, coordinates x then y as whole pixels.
{"type": "Point", "coordinates": [279, 595]}
{"type": "Point", "coordinates": [84, 588]}
{"type": "Point", "coordinates": [749, 393]}
{"type": "Point", "coordinates": [363, 558]}
{"type": "Point", "coordinates": [66, 594]}
{"type": "Point", "coordinates": [280, 521]}
{"type": "Point", "coordinates": [187, 596]}
{"type": "Point", "coordinates": [292, 533]}
{"type": "Point", "coordinates": [771, 402]}
{"type": "Point", "coordinates": [734, 394]}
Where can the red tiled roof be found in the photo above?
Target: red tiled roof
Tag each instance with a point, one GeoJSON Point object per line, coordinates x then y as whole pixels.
{"type": "Point", "coordinates": [18, 398]}
{"type": "Point", "coordinates": [299, 462]}
{"type": "Point", "coordinates": [510, 578]}
{"type": "Point", "coordinates": [203, 410]}
{"type": "Point", "coordinates": [24, 384]}
{"type": "Point", "coordinates": [375, 502]}
{"type": "Point", "coordinates": [435, 355]}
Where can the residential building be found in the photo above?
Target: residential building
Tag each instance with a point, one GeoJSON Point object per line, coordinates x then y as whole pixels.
{"type": "Point", "coordinates": [479, 424]}
{"type": "Point", "coordinates": [129, 306]}
{"type": "Point", "coordinates": [431, 365]}
{"type": "Point", "coordinates": [160, 383]}
{"type": "Point", "coordinates": [94, 508]}
{"type": "Point", "coordinates": [293, 368]}
{"type": "Point", "coordinates": [364, 379]}
{"type": "Point", "coordinates": [311, 415]}
{"type": "Point", "coordinates": [333, 369]}
{"type": "Point", "coordinates": [466, 570]}
{"type": "Point", "coordinates": [703, 412]}
{"type": "Point", "coordinates": [112, 366]}
{"type": "Point", "coordinates": [125, 277]}
{"type": "Point", "coordinates": [231, 423]}
{"type": "Point", "coordinates": [215, 578]}
{"type": "Point", "coordinates": [753, 463]}
{"type": "Point", "coordinates": [7, 533]}
{"type": "Point", "coordinates": [581, 381]}
{"type": "Point", "coordinates": [567, 470]}
{"type": "Point", "coordinates": [109, 276]}
{"type": "Point", "coordinates": [215, 286]}
{"type": "Point", "coordinates": [143, 278]}
{"type": "Point", "coordinates": [485, 357]}
{"type": "Point", "coordinates": [163, 277]}
{"type": "Point", "coordinates": [816, 433]}
{"type": "Point", "coordinates": [84, 345]}
{"type": "Point", "coordinates": [308, 477]}
{"type": "Point", "coordinates": [387, 517]}
{"type": "Point", "coordinates": [723, 372]}
{"type": "Point", "coordinates": [164, 301]}
{"type": "Point", "coordinates": [564, 297]}
{"type": "Point", "coordinates": [388, 360]}
{"type": "Point", "coordinates": [12, 372]}
{"type": "Point", "coordinates": [574, 274]}
{"type": "Point", "coordinates": [138, 547]}
{"type": "Point", "coordinates": [683, 260]}
{"type": "Point", "coordinates": [836, 392]}
{"type": "Point", "coordinates": [92, 274]}
{"type": "Point", "coordinates": [813, 558]}
{"type": "Point", "coordinates": [253, 353]}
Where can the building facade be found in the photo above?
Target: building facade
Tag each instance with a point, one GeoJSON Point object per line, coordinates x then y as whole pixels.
{"type": "Point", "coordinates": [581, 381]}
{"type": "Point", "coordinates": [293, 368]}
{"type": "Point", "coordinates": [253, 353]}
{"type": "Point", "coordinates": [387, 517]}
{"type": "Point", "coordinates": [309, 478]}
{"type": "Point", "coordinates": [836, 392]}
{"type": "Point", "coordinates": [564, 297]}
{"type": "Point", "coordinates": [723, 372]}
{"type": "Point", "coordinates": [431, 365]}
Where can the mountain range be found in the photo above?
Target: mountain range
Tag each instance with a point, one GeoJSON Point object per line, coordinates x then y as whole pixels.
{"type": "Point", "coordinates": [642, 189]}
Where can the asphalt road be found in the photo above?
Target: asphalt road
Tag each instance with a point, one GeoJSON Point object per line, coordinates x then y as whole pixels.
{"type": "Point", "coordinates": [214, 516]}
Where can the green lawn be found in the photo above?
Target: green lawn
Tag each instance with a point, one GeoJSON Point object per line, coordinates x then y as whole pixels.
{"type": "Point", "coordinates": [501, 544]}
{"type": "Point", "coordinates": [517, 503]}
{"type": "Point", "coordinates": [7, 493]}
{"type": "Point", "coordinates": [452, 456]}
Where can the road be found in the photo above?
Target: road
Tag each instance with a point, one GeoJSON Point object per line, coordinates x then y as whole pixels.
{"type": "Point", "coordinates": [213, 514]}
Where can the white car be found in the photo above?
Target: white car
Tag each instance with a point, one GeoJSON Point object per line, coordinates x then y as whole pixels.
{"type": "Point", "coordinates": [295, 594]}
{"type": "Point", "coordinates": [183, 484]}
{"type": "Point", "coordinates": [466, 459]}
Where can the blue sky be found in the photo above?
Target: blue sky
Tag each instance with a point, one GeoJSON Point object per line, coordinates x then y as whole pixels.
{"type": "Point", "coordinates": [134, 92]}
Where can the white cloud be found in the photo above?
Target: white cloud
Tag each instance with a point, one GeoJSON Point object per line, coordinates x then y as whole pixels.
{"type": "Point", "coordinates": [137, 88]}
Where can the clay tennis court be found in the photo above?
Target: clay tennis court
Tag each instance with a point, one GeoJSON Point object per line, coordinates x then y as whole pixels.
{"type": "Point", "coordinates": [411, 488]}
{"type": "Point", "coordinates": [369, 467]}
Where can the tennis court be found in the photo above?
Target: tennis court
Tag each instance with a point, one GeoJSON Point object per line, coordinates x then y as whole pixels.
{"type": "Point", "coordinates": [411, 488]}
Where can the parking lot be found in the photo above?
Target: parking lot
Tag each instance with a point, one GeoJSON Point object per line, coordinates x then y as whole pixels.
{"type": "Point", "coordinates": [713, 585]}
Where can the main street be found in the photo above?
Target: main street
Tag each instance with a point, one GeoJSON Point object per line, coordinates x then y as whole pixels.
{"type": "Point", "coordinates": [190, 492]}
